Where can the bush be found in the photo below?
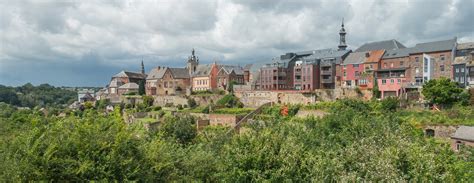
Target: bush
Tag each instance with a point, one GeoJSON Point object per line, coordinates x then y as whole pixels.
{"type": "Point", "coordinates": [169, 105]}
{"type": "Point", "coordinates": [180, 107]}
{"type": "Point", "coordinates": [128, 106]}
{"type": "Point", "coordinates": [229, 101]}
{"type": "Point", "coordinates": [148, 100]}
{"type": "Point", "coordinates": [389, 104]}
{"type": "Point", "coordinates": [192, 103]}
{"type": "Point", "coordinates": [156, 108]}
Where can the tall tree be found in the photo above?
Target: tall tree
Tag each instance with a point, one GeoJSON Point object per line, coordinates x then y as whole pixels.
{"type": "Point", "coordinates": [444, 92]}
{"type": "Point", "coordinates": [141, 87]}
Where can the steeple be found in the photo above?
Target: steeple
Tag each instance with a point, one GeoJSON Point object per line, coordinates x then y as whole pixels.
{"type": "Point", "coordinates": [192, 63]}
{"type": "Point", "coordinates": [143, 67]}
{"type": "Point", "coordinates": [342, 37]}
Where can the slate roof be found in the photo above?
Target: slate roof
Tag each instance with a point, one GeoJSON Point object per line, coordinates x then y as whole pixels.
{"type": "Point", "coordinates": [464, 133]}
{"type": "Point", "coordinates": [381, 45]}
{"type": "Point", "coordinates": [130, 75]}
{"type": "Point", "coordinates": [129, 86]}
{"type": "Point", "coordinates": [229, 68]}
{"type": "Point", "coordinates": [397, 53]}
{"type": "Point", "coordinates": [465, 46]}
{"type": "Point", "coordinates": [202, 70]}
{"type": "Point", "coordinates": [179, 73]}
{"type": "Point", "coordinates": [435, 46]}
{"type": "Point", "coordinates": [87, 96]}
{"type": "Point", "coordinates": [156, 73]}
{"type": "Point", "coordinates": [355, 58]}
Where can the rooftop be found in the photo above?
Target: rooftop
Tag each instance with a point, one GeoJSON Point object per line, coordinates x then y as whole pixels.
{"type": "Point", "coordinates": [434, 46]}
{"type": "Point", "coordinates": [464, 133]}
{"type": "Point", "coordinates": [381, 45]}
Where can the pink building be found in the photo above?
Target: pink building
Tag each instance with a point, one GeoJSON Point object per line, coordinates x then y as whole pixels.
{"type": "Point", "coordinates": [352, 70]}
{"type": "Point", "coordinates": [391, 82]}
{"type": "Point", "coordinates": [306, 75]}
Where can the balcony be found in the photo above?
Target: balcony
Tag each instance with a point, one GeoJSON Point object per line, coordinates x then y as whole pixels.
{"type": "Point", "coordinates": [327, 80]}
{"type": "Point", "coordinates": [326, 72]}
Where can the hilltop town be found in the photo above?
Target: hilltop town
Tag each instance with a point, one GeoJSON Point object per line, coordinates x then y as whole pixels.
{"type": "Point", "coordinates": [384, 68]}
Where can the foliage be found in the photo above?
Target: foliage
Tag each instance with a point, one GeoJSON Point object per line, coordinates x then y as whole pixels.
{"type": "Point", "coordinates": [229, 101]}
{"type": "Point", "coordinates": [444, 92]}
{"type": "Point", "coordinates": [180, 107]}
{"type": "Point", "coordinates": [192, 103]}
{"type": "Point", "coordinates": [141, 87]}
{"type": "Point", "coordinates": [375, 90]}
{"type": "Point", "coordinates": [389, 104]}
{"type": "Point", "coordinates": [156, 108]}
{"type": "Point", "coordinates": [148, 100]}
{"type": "Point", "coordinates": [352, 143]}
{"type": "Point", "coordinates": [180, 128]}
{"type": "Point", "coordinates": [237, 111]}
{"type": "Point", "coordinates": [43, 95]}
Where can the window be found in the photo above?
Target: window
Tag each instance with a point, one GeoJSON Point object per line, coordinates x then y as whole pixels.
{"type": "Point", "coordinates": [457, 70]}
{"type": "Point", "coordinates": [392, 81]}
{"type": "Point", "coordinates": [442, 58]}
{"type": "Point", "coordinates": [462, 79]}
{"type": "Point", "coordinates": [462, 69]}
{"type": "Point", "coordinates": [458, 145]}
{"type": "Point", "coordinates": [345, 74]}
{"type": "Point", "coordinates": [456, 79]}
{"type": "Point", "coordinates": [356, 65]}
{"type": "Point", "coordinates": [399, 80]}
{"type": "Point", "coordinates": [401, 63]}
{"type": "Point", "coordinates": [441, 67]}
{"type": "Point", "coordinates": [417, 59]}
{"type": "Point", "coordinates": [417, 70]}
{"type": "Point", "coordinates": [357, 73]}
{"type": "Point", "coordinates": [384, 81]}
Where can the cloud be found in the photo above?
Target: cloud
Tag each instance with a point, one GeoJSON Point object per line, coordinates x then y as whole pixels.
{"type": "Point", "coordinates": [63, 40]}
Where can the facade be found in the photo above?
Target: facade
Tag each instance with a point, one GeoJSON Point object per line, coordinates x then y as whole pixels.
{"type": "Point", "coordinates": [122, 78]}
{"type": "Point", "coordinates": [306, 75]}
{"type": "Point", "coordinates": [204, 78]}
{"type": "Point", "coordinates": [353, 70]}
{"type": "Point", "coordinates": [127, 88]}
{"type": "Point", "coordinates": [464, 136]}
{"type": "Point", "coordinates": [228, 74]}
{"type": "Point", "coordinates": [431, 60]}
{"type": "Point", "coordinates": [167, 81]}
{"type": "Point", "coordinates": [463, 71]}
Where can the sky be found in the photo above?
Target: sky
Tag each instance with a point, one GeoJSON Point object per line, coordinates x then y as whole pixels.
{"type": "Point", "coordinates": [85, 42]}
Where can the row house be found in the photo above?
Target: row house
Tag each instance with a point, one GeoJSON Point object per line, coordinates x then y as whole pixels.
{"type": "Point", "coordinates": [204, 78]}
{"type": "Point", "coordinates": [229, 74]}
{"type": "Point", "coordinates": [463, 65]}
{"type": "Point", "coordinates": [359, 69]}
{"type": "Point", "coordinates": [167, 81]}
{"type": "Point", "coordinates": [395, 66]}
{"type": "Point", "coordinates": [431, 60]}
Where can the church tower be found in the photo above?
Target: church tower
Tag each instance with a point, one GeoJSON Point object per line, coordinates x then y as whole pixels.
{"type": "Point", "coordinates": [192, 63]}
{"type": "Point", "coordinates": [342, 37]}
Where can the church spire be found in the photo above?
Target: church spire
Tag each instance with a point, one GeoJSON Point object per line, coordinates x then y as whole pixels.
{"type": "Point", "coordinates": [342, 37]}
{"type": "Point", "coordinates": [143, 67]}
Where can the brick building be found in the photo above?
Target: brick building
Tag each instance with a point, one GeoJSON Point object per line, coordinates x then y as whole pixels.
{"type": "Point", "coordinates": [124, 77]}
{"type": "Point", "coordinates": [431, 60]}
{"type": "Point", "coordinates": [167, 81]}
{"type": "Point", "coordinates": [463, 65]}
{"type": "Point", "coordinates": [228, 74]}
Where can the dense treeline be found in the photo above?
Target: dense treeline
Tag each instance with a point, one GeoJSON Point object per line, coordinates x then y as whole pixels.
{"type": "Point", "coordinates": [355, 141]}
{"type": "Point", "coordinates": [43, 95]}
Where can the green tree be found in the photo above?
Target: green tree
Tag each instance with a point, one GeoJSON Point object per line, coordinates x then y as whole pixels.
{"type": "Point", "coordinates": [444, 92]}
{"type": "Point", "coordinates": [141, 87]}
{"type": "Point", "coordinates": [181, 128]}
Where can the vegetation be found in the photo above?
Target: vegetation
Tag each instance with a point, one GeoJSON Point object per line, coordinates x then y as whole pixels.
{"type": "Point", "coordinates": [229, 101]}
{"type": "Point", "coordinates": [141, 87]}
{"type": "Point", "coordinates": [444, 92]}
{"type": "Point", "coordinates": [192, 103]}
{"type": "Point", "coordinates": [356, 141]}
{"type": "Point", "coordinates": [43, 95]}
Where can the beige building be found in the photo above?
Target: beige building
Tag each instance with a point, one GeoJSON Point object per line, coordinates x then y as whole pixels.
{"type": "Point", "coordinates": [204, 78]}
{"type": "Point", "coordinates": [167, 81]}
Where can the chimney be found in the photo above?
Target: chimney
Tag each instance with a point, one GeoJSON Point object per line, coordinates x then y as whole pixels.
{"type": "Point", "coordinates": [367, 54]}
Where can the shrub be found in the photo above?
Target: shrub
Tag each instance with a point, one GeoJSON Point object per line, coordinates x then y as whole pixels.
{"type": "Point", "coordinates": [192, 103]}
{"type": "Point", "coordinates": [169, 105]}
{"type": "Point", "coordinates": [148, 100]}
{"type": "Point", "coordinates": [128, 106]}
{"type": "Point", "coordinates": [229, 101]}
{"type": "Point", "coordinates": [156, 108]}
{"type": "Point", "coordinates": [389, 104]}
{"type": "Point", "coordinates": [180, 107]}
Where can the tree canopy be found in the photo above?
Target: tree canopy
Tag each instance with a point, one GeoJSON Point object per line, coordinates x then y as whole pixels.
{"type": "Point", "coordinates": [444, 92]}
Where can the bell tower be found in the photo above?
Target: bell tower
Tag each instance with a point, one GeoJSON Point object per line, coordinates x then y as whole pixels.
{"type": "Point", "coordinates": [342, 37]}
{"type": "Point", "coordinates": [193, 62]}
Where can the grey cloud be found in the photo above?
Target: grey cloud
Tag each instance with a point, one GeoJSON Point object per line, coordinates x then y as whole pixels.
{"type": "Point", "coordinates": [91, 39]}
